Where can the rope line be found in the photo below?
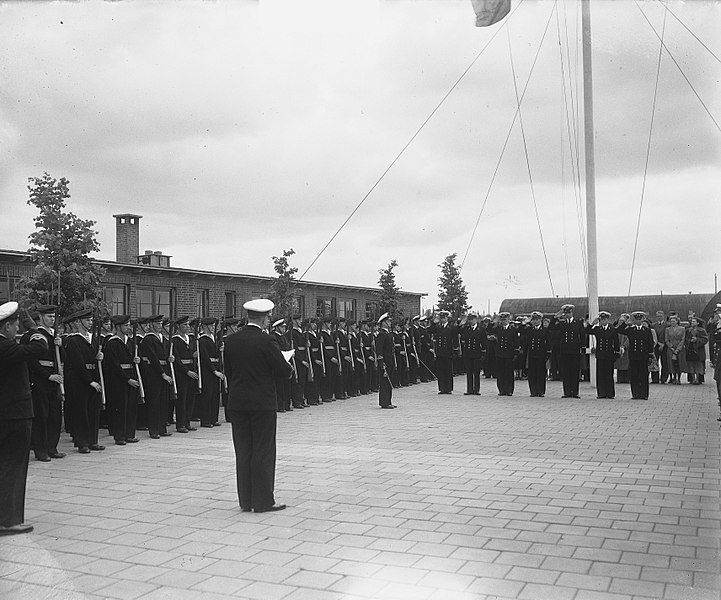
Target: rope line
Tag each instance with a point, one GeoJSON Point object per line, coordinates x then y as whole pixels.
{"type": "Point", "coordinates": [648, 153]}
{"type": "Point", "coordinates": [393, 162]}
{"type": "Point", "coordinates": [528, 161]}
{"type": "Point", "coordinates": [508, 136]}
{"type": "Point", "coordinates": [691, 32]}
{"type": "Point", "coordinates": [671, 56]}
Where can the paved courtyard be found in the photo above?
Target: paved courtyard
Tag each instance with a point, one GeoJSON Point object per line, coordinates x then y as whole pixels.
{"type": "Point", "coordinates": [447, 497]}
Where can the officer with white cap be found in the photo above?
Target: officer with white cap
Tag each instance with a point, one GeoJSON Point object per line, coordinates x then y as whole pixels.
{"type": "Point", "coordinates": [253, 364]}
{"type": "Point", "coordinates": [571, 341]}
{"type": "Point", "coordinates": [607, 349]}
{"type": "Point", "coordinates": [640, 350]}
{"type": "Point", "coordinates": [16, 416]}
{"type": "Point", "coordinates": [385, 351]}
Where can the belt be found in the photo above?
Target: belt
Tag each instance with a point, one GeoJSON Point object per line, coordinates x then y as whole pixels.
{"type": "Point", "coordinates": [329, 347]}
{"type": "Point", "coordinates": [145, 359]}
{"type": "Point", "coordinates": [90, 366]}
{"type": "Point", "coordinates": [300, 348]}
{"type": "Point", "coordinates": [46, 363]}
{"type": "Point", "coordinates": [163, 362]}
{"type": "Point", "coordinates": [214, 360]}
{"type": "Point", "coordinates": [186, 361]}
{"type": "Point", "coordinates": [126, 366]}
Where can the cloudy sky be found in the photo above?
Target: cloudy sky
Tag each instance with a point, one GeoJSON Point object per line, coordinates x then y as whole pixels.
{"type": "Point", "coordinates": [240, 129]}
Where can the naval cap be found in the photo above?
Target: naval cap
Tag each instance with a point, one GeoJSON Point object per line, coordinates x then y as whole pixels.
{"type": "Point", "coordinates": [503, 314]}
{"type": "Point", "coordinates": [231, 320]}
{"type": "Point", "coordinates": [154, 319]}
{"type": "Point", "coordinates": [383, 317]}
{"type": "Point", "coordinates": [604, 313]}
{"type": "Point", "coordinates": [567, 307]}
{"type": "Point", "coordinates": [639, 314]}
{"type": "Point", "coordinates": [83, 313]}
{"type": "Point", "coordinates": [8, 310]}
{"type": "Point", "coordinates": [279, 322]}
{"type": "Point", "coordinates": [260, 306]}
{"type": "Point", "coordinates": [537, 314]}
{"type": "Point", "coordinates": [119, 319]}
{"type": "Point", "coordinates": [45, 309]}
{"type": "Point", "coordinates": [182, 320]}
{"type": "Point", "coordinates": [718, 308]}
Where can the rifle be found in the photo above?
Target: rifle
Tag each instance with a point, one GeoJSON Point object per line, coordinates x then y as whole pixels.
{"type": "Point", "coordinates": [59, 365]}
{"type": "Point", "coordinates": [196, 329]}
{"type": "Point", "coordinates": [311, 378]}
{"type": "Point", "coordinates": [338, 356]}
{"type": "Point", "coordinates": [363, 356]}
{"type": "Point", "coordinates": [97, 325]}
{"type": "Point", "coordinates": [405, 350]}
{"type": "Point", "coordinates": [350, 352]}
{"type": "Point", "coordinates": [322, 352]}
{"type": "Point", "coordinates": [294, 375]}
{"type": "Point", "coordinates": [141, 389]}
{"type": "Point", "coordinates": [223, 329]}
{"type": "Point", "coordinates": [171, 356]}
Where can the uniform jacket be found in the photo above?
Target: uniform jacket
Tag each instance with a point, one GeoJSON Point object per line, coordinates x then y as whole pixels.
{"type": "Point", "coordinates": [118, 362]}
{"type": "Point", "coordinates": [473, 341]}
{"type": "Point", "coordinates": [446, 337]}
{"type": "Point", "coordinates": [253, 362]}
{"type": "Point", "coordinates": [153, 353]}
{"type": "Point", "coordinates": [571, 337]}
{"type": "Point", "coordinates": [183, 352]}
{"type": "Point", "coordinates": [385, 350]}
{"type": "Point", "coordinates": [15, 399]}
{"type": "Point", "coordinates": [535, 341]}
{"type": "Point", "coordinates": [607, 343]}
{"type": "Point", "coordinates": [508, 340]}
{"type": "Point", "coordinates": [640, 341]}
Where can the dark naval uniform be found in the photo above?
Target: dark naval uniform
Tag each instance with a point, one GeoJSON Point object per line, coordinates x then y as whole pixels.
{"type": "Point", "coordinates": [186, 385]}
{"type": "Point", "coordinates": [47, 403]}
{"type": "Point", "coordinates": [385, 352]}
{"type": "Point", "coordinates": [282, 384]}
{"type": "Point", "coordinates": [330, 367]}
{"type": "Point", "coordinates": [119, 369]}
{"type": "Point", "coordinates": [210, 392]}
{"type": "Point", "coordinates": [640, 350]}
{"type": "Point", "coordinates": [81, 369]}
{"type": "Point", "coordinates": [445, 339]}
{"type": "Point", "coordinates": [537, 347]}
{"type": "Point", "coordinates": [569, 358]}
{"type": "Point", "coordinates": [297, 386]}
{"type": "Point", "coordinates": [508, 342]}
{"type": "Point", "coordinates": [607, 350]}
{"type": "Point", "coordinates": [473, 345]}
{"type": "Point", "coordinates": [157, 391]}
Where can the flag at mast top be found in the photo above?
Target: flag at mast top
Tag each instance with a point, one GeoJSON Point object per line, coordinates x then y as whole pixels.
{"type": "Point", "coordinates": [489, 12]}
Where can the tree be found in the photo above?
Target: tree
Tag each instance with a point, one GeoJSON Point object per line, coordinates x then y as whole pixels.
{"type": "Point", "coordinates": [64, 273]}
{"type": "Point", "coordinates": [388, 296]}
{"type": "Point", "coordinates": [282, 291]}
{"type": "Point", "coordinates": [452, 294]}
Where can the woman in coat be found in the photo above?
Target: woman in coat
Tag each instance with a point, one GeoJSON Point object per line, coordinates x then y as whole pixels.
{"type": "Point", "coordinates": [696, 340]}
{"type": "Point", "coordinates": [674, 337]}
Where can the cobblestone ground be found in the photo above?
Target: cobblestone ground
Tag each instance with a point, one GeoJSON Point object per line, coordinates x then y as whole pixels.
{"type": "Point", "coordinates": [447, 497]}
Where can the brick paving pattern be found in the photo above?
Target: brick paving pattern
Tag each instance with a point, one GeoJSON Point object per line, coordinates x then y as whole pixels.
{"type": "Point", "coordinates": [446, 498]}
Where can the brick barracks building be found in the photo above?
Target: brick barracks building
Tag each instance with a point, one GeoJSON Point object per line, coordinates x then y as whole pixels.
{"type": "Point", "coordinates": [142, 284]}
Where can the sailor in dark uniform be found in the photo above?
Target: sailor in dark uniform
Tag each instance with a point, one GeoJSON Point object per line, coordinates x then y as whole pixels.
{"type": "Point", "coordinates": [211, 375]}
{"type": "Point", "coordinates": [343, 381]}
{"type": "Point", "coordinates": [606, 351]}
{"type": "Point", "coordinates": [156, 378]}
{"type": "Point", "coordinates": [278, 332]}
{"type": "Point", "coordinates": [445, 335]}
{"type": "Point", "coordinates": [298, 343]}
{"type": "Point", "coordinates": [473, 344]}
{"type": "Point", "coordinates": [386, 355]}
{"type": "Point", "coordinates": [570, 344]}
{"type": "Point", "coordinates": [186, 376]}
{"type": "Point", "coordinates": [537, 347]}
{"type": "Point", "coordinates": [507, 341]}
{"type": "Point", "coordinates": [330, 362]}
{"type": "Point", "coordinates": [45, 379]}
{"type": "Point", "coordinates": [640, 350]}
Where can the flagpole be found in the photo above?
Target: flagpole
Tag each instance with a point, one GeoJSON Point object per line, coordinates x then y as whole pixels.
{"type": "Point", "coordinates": [591, 249]}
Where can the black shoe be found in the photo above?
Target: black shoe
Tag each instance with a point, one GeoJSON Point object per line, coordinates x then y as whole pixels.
{"type": "Point", "coordinates": [57, 454]}
{"type": "Point", "coordinates": [468, 393]}
{"type": "Point", "coordinates": [154, 436]}
{"type": "Point", "coordinates": [165, 434]}
{"type": "Point", "coordinates": [189, 428]}
{"type": "Point", "coordinates": [245, 509]}
{"type": "Point", "coordinates": [84, 450]}
{"type": "Point", "coordinates": [120, 442]}
{"type": "Point", "coordinates": [281, 410]}
{"type": "Point", "coordinates": [97, 447]}
{"type": "Point", "coordinates": [43, 458]}
{"type": "Point", "coordinates": [389, 406]}
{"type": "Point", "coordinates": [182, 430]}
{"type": "Point", "coordinates": [132, 440]}
{"type": "Point", "coordinates": [207, 425]}
{"type": "Point", "coordinates": [216, 424]}
{"type": "Point", "coordinates": [273, 508]}
{"type": "Point", "coordinates": [15, 529]}
{"type": "Point", "coordinates": [142, 429]}
{"type": "Point", "coordinates": [171, 422]}
{"type": "Point", "coordinates": [298, 406]}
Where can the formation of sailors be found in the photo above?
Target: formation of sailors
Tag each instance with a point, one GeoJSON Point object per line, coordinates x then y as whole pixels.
{"type": "Point", "coordinates": [151, 373]}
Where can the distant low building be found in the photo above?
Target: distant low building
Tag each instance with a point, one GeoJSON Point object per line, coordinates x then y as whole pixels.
{"type": "Point", "coordinates": [700, 304]}
{"type": "Point", "coordinates": [142, 284]}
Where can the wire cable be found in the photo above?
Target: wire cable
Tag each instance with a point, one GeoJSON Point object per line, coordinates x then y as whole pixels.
{"type": "Point", "coordinates": [528, 161]}
{"type": "Point", "coordinates": [508, 136]}
{"type": "Point", "coordinates": [691, 32]}
{"type": "Point", "coordinates": [648, 153]}
{"type": "Point", "coordinates": [395, 160]}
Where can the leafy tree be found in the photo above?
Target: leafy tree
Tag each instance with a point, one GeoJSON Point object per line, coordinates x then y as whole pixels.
{"type": "Point", "coordinates": [388, 296]}
{"type": "Point", "coordinates": [64, 273]}
{"type": "Point", "coordinates": [452, 294]}
{"type": "Point", "coordinates": [282, 291]}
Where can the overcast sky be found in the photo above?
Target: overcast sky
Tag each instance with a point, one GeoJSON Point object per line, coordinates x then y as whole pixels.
{"type": "Point", "coordinates": [240, 129]}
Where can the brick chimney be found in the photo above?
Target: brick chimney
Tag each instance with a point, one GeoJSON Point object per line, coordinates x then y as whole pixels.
{"type": "Point", "coordinates": [127, 238]}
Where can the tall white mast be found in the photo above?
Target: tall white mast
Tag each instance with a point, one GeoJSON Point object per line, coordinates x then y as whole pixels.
{"type": "Point", "coordinates": [591, 250]}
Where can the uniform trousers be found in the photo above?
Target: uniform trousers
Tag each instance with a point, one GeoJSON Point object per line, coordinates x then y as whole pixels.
{"type": "Point", "coordinates": [255, 451]}
{"type": "Point", "coordinates": [385, 387]}
{"type": "Point", "coordinates": [156, 403]}
{"type": "Point", "coordinates": [48, 410]}
{"type": "Point", "coordinates": [183, 387]}
{"type": "Point", "coordinates": [15, 453]}
{"type": "Point", "coordinates": [505, 377]}
{"type": "Point", "coordinates": [444, 372]}
{"type": "Point", "coordinates": [570, 367]}
{"type": "Point", "coordinates": [605, 387]}
{"type": "Point", "coordinates": [473, 375]}
{"type": "Point", "coordinates": [638, 375]}
{"type": "Point", "coordinates": [210, 399]}
{"type": "Point", "coordinates": [537, 375]}
{"type": "Point", "coordinates": [123, 403]}
{"type": "Point", "coordinates": [297, 386]}
{"type": "Point", "coordinates": [282, 394]}
{"type": "Point", "coordinates": [84, 408]}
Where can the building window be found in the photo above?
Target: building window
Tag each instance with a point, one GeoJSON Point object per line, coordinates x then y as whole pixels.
{"type": "Point", "coordinates": [229, 304]}
{"type": "Point", "coordinates": [153, 301]}
{"type": "Point", "coordinates": [202, 303]}
{"type": "Point", "coordinates": [324, 307]}
{"type": "Point", "coordinates": [346, 308]}
{"type": "Point", "coordinates": [115, 297]}
{"type": "Point", "coordinates": [372, 311]}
